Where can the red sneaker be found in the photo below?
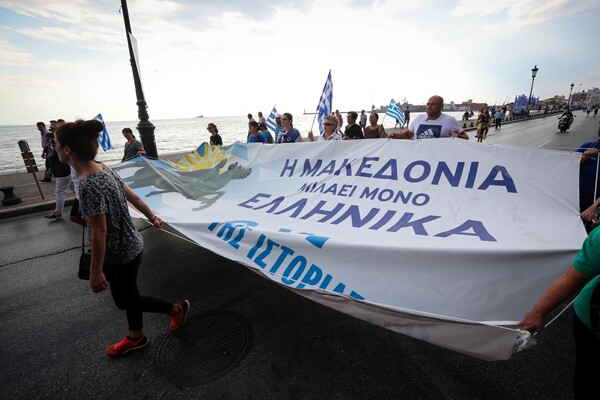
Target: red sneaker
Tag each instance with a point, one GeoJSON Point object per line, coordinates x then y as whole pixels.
{"type": "Point", "coordinates": [127, 344]}
{"type": "Point", "coordinates": [178, 319]}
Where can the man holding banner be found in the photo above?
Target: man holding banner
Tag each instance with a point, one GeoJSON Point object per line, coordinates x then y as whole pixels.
{"type": "Point", "coordinates": [435, 124]}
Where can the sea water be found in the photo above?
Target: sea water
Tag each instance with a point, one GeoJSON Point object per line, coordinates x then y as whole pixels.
{"type": "Point", "coordinates": [171, 136]}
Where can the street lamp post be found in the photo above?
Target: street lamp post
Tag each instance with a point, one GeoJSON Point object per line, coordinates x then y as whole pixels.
{"type": "Point", "coordinates": [534, 71]}
{"type": "Point", "coordinates": [569, 102]}
{"type": "Point", "coordinates": [144, 127]}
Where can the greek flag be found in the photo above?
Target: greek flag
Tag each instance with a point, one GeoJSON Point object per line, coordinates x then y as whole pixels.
{"type": "Point", "coordinates": [271, 124]}
{"type": "Point", "coordinates": [324, 108]}
{"type": "Point", "coordinates": [395, 112]}
{"type": "Point", "coordinates": [103, 139]}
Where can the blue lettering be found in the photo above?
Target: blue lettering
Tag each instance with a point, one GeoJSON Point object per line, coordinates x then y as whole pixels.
{"type": "Point", "coordinates": [289, 167]}
{"type": "Point", "coordinates": [472, 175]}
{"type": "Point", "coordinates": [393, 174]}
{"type": "Point", "coordinates": [424, 174]}
{"type": "Point", "coordinates": [326, 281]}
{"type": "Point", "coordinates": [307, 187]}
{"type": "Point", "coordinates": [344, 189]}
{"type": "Point", "coordinates": [367, 193]}
{"type": "Point", "coordinates": [313, 275]}
{"type": "Point", "coordinates": [326, 213]}
{"type": "Point", "coordinates": [417, 225]}
{"type": "Point", "coordinates": [384, 220]}
{"type": "Point", "coordinates": [443, 168]}
{"type": "Point", "coordinates": [285, 251]}
{"type": "Point", "coordinates": [332, 189]}
{"type": "Point", "coordinates": [257, 246]}
{"type": "Point", "coordinates": [308, 170]}
{"type": "Point", "coordinates": [298, 206]}
{"type": "Point", "coordinates": [254, 199]}
{"type": "Point", "coordinates": [506, 181]}
{"type": "Point", "coordinates": [259, 259]}
{"type": "Point", "coordinates": [328, 170]}
{"type": "Point", "coordinates": [273, 204]}
{"type": "Point", "coordinates": [477, 230]}
{"type": "Point", "coordinates": [353, 212]}
{"type": "Point", "coordinates": [345, 165]}
{"type": "Point", "coordinates": [299, 262]}
{"type": "Point", "coordinates": [355, 295]}
{"type": "Point", "coordinates": [365, 164]}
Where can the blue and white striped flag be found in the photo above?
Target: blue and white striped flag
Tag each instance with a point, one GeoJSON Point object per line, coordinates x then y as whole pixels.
{"type": "Point", "coordinates": [324, 108]}
{"type": "Point", "coordinates": [103, 139]}
{"type": "Point", "coordinates": [271, 124]}
{"type": "Point", "coordinates": [395, 112]}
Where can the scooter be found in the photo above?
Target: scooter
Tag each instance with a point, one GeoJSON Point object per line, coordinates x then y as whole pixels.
{"type": "Point", "coordinates": [564, 123]}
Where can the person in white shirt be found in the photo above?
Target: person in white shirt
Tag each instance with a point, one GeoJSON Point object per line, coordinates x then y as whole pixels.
{"type": "Point", "coordinates": [329, 130]}
{"type": "Point", "coordinates": [433, 124]}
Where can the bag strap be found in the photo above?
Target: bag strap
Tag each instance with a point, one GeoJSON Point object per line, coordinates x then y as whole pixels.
{"type": "Point", "coordinates": [83, 240]}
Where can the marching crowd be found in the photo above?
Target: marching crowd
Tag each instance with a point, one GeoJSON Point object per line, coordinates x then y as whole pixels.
{"type": "Point", "coordinates": [433, 124]}
{"type": "Point", "coordinates": [70, 148]}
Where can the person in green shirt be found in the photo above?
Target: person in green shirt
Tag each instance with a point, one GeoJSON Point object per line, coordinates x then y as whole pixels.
{"type": "Point", "coordinates": [583, 272]}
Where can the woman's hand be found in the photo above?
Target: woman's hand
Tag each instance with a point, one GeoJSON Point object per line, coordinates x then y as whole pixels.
{"type": "Point", "coordinates": [157, 222]}
{"type": "Point", "coordinates": [589, 213]}
{"type": "Point", "coordinates": [98, 282]}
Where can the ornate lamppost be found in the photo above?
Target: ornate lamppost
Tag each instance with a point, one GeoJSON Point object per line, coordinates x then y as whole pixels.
{"type": "Point", "coordinates": [144, 127]}
{"type": "Point", "coordinates": [569, 102]}
{"type": "Point", "coordinates": [534, 71]}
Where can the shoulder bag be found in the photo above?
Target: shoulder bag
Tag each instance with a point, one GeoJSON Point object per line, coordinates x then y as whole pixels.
{"type": "Point", "coordinates": [111, 263]}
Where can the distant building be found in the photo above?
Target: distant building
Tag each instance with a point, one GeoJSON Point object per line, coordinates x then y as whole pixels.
{"type": "Point", "coordinates": [470, 106]}
{"type": "Point", "coordinates": [593, 97]}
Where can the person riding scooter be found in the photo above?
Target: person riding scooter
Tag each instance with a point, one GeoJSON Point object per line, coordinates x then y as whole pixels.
{"type": "Point", "coordinates": [565, 120]}
{"type": "Point", "coordinates": [568, 115]}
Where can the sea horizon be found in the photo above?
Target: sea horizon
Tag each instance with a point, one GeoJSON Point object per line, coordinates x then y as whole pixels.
{"type": "Point", "coordinates": [172, 135]}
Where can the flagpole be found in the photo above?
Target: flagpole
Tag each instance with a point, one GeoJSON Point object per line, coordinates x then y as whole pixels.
{"type": "Point", "coordinates": [144, 127]}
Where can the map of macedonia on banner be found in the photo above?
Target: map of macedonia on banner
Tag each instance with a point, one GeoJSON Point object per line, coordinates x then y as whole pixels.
{"type": "Point", "coordinates": [446, 241]}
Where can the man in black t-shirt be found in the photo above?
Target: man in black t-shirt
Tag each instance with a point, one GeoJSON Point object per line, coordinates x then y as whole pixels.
{"type": "Point", "coordinates": [353, 131]}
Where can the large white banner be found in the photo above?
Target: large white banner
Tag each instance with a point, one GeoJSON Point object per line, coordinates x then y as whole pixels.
{"type": "Point", "coordinates": [447, 241]}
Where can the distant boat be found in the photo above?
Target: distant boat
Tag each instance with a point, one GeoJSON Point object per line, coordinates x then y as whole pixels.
{"type": "Point", "coordinates": [200, 116]}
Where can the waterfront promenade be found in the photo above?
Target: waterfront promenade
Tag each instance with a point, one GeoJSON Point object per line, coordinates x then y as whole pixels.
{"type": "Point", "coordinates": [54, 330]}
{"type": "Point", "coordinates": [26, 188]}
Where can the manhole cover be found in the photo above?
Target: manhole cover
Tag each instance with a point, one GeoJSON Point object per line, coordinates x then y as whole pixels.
{"type": "Point", "coordinates": [205, 349]}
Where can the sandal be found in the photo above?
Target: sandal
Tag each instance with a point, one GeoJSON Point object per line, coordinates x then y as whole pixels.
{"type": "Point", "coordinates": [53, 215]}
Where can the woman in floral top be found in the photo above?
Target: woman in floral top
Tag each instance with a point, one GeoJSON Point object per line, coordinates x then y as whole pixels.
{"type": "Point", "coordinates": [103, 204]}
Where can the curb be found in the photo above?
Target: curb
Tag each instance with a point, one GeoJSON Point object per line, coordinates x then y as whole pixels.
{"type": "Point", "coordinates": [33, 208]}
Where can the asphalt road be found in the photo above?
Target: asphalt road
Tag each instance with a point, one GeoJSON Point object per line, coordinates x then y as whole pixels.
{"type": "Point", "coordinates": [543, 132]}
{"type": "Point", "coordinates": [53, 329]}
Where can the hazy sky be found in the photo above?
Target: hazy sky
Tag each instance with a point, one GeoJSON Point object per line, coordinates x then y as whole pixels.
{"type": "Point", "coordinates": [69, 59]}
